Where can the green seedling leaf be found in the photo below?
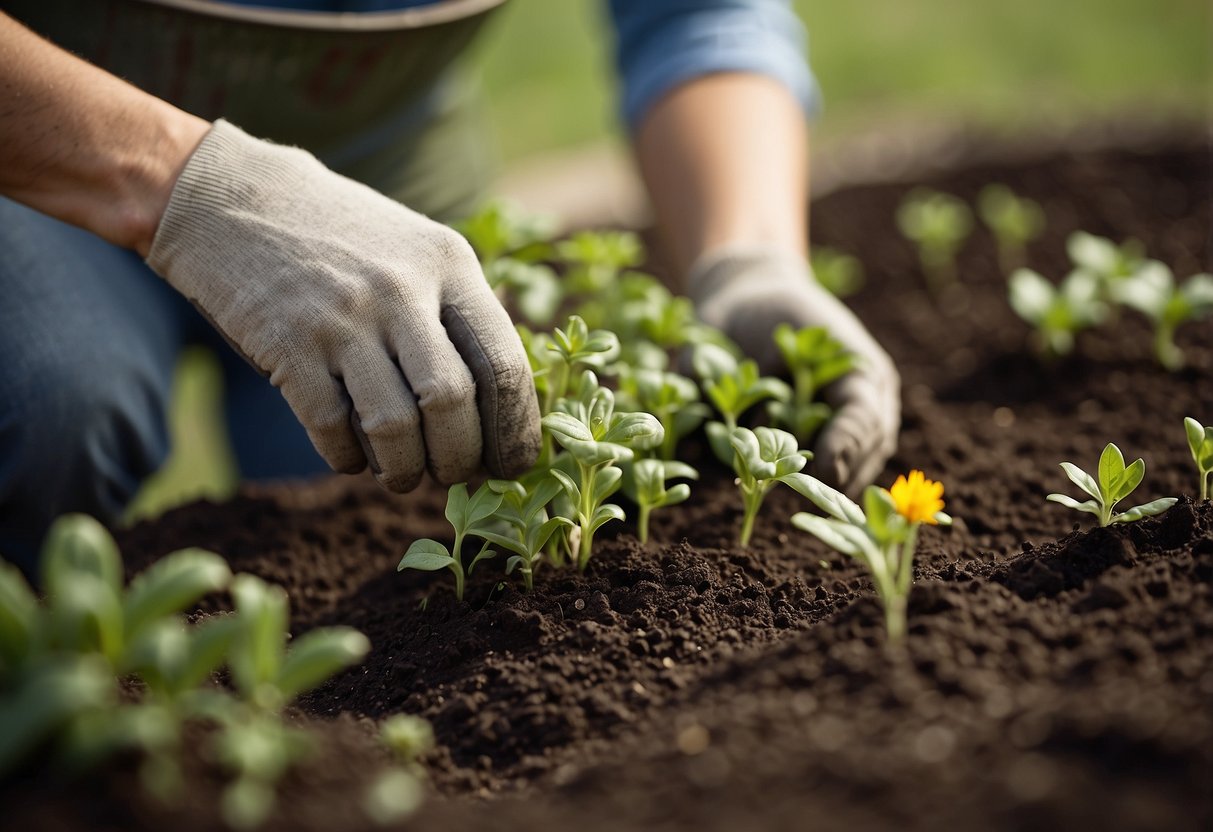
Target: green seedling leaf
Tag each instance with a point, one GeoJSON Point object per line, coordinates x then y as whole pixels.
{"type": "Point", "coordinates": [840, 274]}
{"type": "Point", "coordinates": [257, 654]}
{"type": "Point", "coordinates": [18, 617]}
{"type": "Point", "coordinates": [1083, 480]}
{"type": "Point", "coordinates": [316, 656]}
{"type": "Point", "coordinates": [75, 545]}
{"type": "Point", "coordinates": [1111, 466]}
{"type": "Point", "coordinates": [172, 584]}
{"type": "Point", "coordinates": [426, 555]}
{"type": "Point", "coordinates": [1116, 481]}
{"type": "Point", "coordinates": [848, 539]}
{"type": "Point", "coordinates": [1128, 480]}
{"type": "Point", "coordinates": [1145, 510]}
{"type": "Point", "coordinates": [1200, 443]}
{"type": "Point", "coordinates": [1089, 506]}
{"type": "Point", "coordinates": [86, 616]}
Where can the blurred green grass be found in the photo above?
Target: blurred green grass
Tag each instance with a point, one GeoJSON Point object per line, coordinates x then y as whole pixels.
{"type": "Point", "coordinates": [545, 66]}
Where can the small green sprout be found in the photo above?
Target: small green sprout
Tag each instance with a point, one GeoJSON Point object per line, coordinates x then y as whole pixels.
{"type": "Point", "coordinates": [644, 481]}
{"type": "Point", "coordinates": [815, 360]}
{"type": "Point", "coordinates": [840, 274]}
{"type": "Point", "coordinates": [883, 535]}
{"type": "Point", "coordinates": [574, 350]}
{"type": "Point", "coordinates": [524, 511]}
{"type": "Point", "coordinates": [939, 224]}
{"type": "Point", "coordinates": [533, 287]}
{"type": "Point", "coordinates": [1057, 312]}
{"type": "Point", "coordinates": [1101, 257]}
{"type": "Point", "coordinates": [596, 259]}
{"type": "Point", "coordinates": [1116, 481]}
{"type": "Point", "coordinates": [596, 437]}
{"type": "Point", "coordinates": [1153, 291]}
{"type": "Point", "coordinates": [733, 387]}
{"type": "Point", "coordinates": [672, 398]}
{"type": "Point", "coordinates": [499, 229]}
{"type": "Point", "coordinates": [763, 458]}
{"type": "Point", "coordinates": [468, 516]}
{"type": "Point", "coordinates": [1200, 442]}
{"type": "Point", "coordinates": [1015, 222]}
{"type": "Point", "coordinates": [408, 737]}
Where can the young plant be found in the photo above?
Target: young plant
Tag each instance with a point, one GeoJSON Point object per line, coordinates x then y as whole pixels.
{"type": "Point", "coordinates": [814, 359]}
{"type": "Point", "coordinates": [644, 481]}
{"type": "Point", "coordinates": [1058, 313]}
{"type": "Point", "coordinates": [1115, 482]}
{"type": "Point", "coordinates": [1014, 221]}
{"type": "Point", "coordinates": [1153, 291]}
{"type": "Point", "coordinates": [938, 224]}
{"type": "Point", "coordinates": [1104, 259]}
{"type": "Point", "coordinates": [499, 229]}
{"type": "Point", "coordinates": [733, 387]}
{"type": "Point", "coordinates": [1200, 442]}
{"type": "Point", "coordinates": [883, 535]}
{"type": "Point", "coordinates": [840, 274]}
{"type": "Point", "coordinates": [596, 438]}
{"type": "Point", "coordinates": [533, 287]}
{"type": "Point", "coordinates": [672, 398]}
{"type": "Point", "coordinates": [575, 350]}
{"type": "Point", "coordinates": [596, 259]}
{"type": "Point", "coordinates": [468, 516]}
{"type": "Point", "coordinates": [524, 512]}
{"type": "Point", "coordinates": [763, 458]}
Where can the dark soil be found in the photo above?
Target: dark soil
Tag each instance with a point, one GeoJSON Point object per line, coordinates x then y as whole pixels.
{"type": "Point", "coordinates": [1053, 677]}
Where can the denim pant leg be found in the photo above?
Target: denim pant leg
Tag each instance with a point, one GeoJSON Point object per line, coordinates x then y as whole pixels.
{"type": "Point", "coordinates": [89, 337]}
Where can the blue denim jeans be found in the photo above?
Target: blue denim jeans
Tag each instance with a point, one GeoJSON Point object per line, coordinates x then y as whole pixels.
{"type": "Point", "coordinates": [89, 338]}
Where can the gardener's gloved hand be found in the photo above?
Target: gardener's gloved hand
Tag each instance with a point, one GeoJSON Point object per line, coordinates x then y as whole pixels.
{"type": "Point", "coordinates": [746, 291]}
{"type": "Point", "coordinates": [374, 321]}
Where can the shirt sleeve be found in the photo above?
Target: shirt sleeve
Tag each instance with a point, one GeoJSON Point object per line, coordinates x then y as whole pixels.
{"type": "Point", "coordinates": [663, 43]}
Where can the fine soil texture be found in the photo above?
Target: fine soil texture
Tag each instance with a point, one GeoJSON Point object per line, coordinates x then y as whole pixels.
{"type": "Point", "coordinates": [1054, 675]}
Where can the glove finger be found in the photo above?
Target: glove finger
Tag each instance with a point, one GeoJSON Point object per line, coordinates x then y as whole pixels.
{"type": "Point", "coordinates": [857, 442]}
{"type": "Point", "coordinates": [505, 391]}
{"type": "Point", "coordinates": [321, 405]}
{"type": "Point", "coordinates": [446, 396]}
{"type": "Point", "coordinates": [385, 418]}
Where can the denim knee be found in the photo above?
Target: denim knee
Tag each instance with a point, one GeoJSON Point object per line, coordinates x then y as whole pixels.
{"type": "Point", "coordinates": [76, 434]}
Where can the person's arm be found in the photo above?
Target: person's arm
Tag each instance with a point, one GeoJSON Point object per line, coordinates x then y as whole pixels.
{"type": "Point", "coordinates": [715, 94]}
{"type": "Point", "coordinates": [84, 146]}
{"type": "Point", "coordinates": [375, 322]}
{"type": "Point", "coordinates": [725, 159]}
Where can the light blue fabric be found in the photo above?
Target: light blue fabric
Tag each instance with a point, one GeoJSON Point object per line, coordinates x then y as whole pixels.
{"type": "Point", "coordinates": [90, 338]}
{"type": "Point", "coordinates": [663, 43]}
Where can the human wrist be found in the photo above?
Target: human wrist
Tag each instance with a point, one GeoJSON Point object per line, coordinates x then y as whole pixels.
{"type": "Point", "coordinates": [146, 174]}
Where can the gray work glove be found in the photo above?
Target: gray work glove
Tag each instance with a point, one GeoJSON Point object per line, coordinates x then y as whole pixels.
{"type": "Point", "coordinates": [746, 291]}
{"type": "Point", "coordinates": [374, 321]}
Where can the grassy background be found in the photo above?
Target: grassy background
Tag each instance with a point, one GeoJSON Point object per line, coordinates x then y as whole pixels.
{"type": "Point", "coordinates": [545, 65]}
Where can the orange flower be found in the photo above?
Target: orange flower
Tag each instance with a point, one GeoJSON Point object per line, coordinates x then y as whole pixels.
{"type": "Point", "coordinates": [917, 498]}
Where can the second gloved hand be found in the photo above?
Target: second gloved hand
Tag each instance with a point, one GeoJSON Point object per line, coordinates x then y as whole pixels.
{"type": "Point", "coordinates": [746, 291]}
{"type": "Point", "coordinates": [374, 321]}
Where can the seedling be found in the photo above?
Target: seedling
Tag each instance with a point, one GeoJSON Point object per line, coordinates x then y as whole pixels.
{"type": "Point", "coordinates": [596, 437]}
{"type": "Point", "coordinates": [883, 535]}
{"type": "Point", "coordinates": [499, 228]}
{"type": "Point", "coordinates": [1101, 257]}
{"type": "Point", "coordinates": [524, 511]}
{"type": "Point", "coordinates": [1116, 481]}
{"type": "Point", "coordinates": [533, 287]}
{"type": "Point", "coordinates": [763, 458]}
{"type": "Point", "coordinates": [1059, 313]}
{"type": "Point", "coordinates": [575, 349]}
{"type": "Point", "coordinates": [1014, 221]}
{"type": "Point", "coordinates": [1200, 442]}
{"type": "Point", "coordinates": [672, 398]}
{"type": "Point", "coordinates": [468, 516]}
{"type": "Point", "coordinates": [733, 387]}
{"type": "Point", "coordinates": [840, 274]}
{"type": "Point", "coordinates": [938, 224]}
{"type": "Point", "coordinates": [644, 481]}
{"type": "Point", "coordinates": [814, 360]}
{"type": "Point", "coordinates": [596, 259]}
{"type": "Point", "coordinates": [1153, 291]}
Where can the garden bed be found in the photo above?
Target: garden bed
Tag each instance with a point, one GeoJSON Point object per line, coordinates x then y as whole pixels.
{"type": "Point", "coordinates": [1053, 676]}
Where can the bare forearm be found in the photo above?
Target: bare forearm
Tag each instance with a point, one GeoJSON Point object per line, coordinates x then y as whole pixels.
{"type": "Point", "coordinates": [725, 161]}
{"type": "Point", "coordinates": [83, 146]}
